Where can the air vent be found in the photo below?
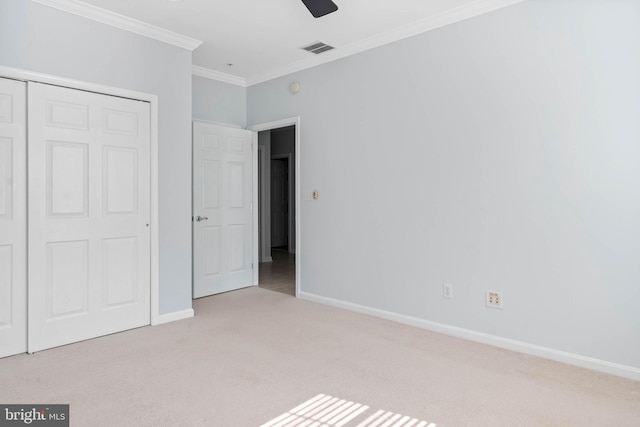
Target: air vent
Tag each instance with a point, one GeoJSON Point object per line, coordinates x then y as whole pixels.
{"type": "Point", "coordinates": [318, 47]}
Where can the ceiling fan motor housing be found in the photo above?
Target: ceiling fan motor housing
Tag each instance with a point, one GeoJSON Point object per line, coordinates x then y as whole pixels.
{"type": "Point", "coordinates": [320, 8]}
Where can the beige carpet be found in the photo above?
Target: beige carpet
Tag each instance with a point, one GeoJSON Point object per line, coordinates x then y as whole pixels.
{"type": "Point", "coordinates": [256, 357]}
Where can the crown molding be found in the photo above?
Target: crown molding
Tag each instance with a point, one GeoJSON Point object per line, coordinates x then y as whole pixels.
{"type": "Point", "coordinates": [451, 16]}
{"type": "Point", "coordinates": [217, 75]}
{"type": "Point", "coordinates": [120, 21]}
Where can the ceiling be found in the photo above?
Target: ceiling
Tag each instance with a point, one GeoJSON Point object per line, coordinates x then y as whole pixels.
{"type": "Point", "coordinates": [262, 38]}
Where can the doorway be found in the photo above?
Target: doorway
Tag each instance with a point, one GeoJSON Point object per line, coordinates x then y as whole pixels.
{"type": "Point", "coordinates": [278, 163]}
{"type": "Point", "coordinates": [282, 221]}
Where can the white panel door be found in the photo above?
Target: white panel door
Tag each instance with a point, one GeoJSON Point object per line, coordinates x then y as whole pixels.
{"type": "Point", "coordinates": [89, 212]}
{"type": "Point", "coordinates": [13, 217]}
{"type": "Point", "coordinates": [222, 209]}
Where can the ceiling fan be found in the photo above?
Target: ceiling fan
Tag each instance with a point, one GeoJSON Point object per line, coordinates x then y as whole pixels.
{"type": "Point", "coordinates": [320, 8]}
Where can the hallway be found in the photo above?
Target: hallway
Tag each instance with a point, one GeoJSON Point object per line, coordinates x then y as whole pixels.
{"type": "Point", "coordinates": [279, 275]}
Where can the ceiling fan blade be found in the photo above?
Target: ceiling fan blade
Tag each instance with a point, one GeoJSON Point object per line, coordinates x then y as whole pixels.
{"type": "Point", "coordinates": [320, 8]}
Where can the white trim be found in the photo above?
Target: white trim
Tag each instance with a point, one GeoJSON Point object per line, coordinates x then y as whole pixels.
{"type": "Point", "coordinates": [466, 11]}
{"type": "Point", "coordinates": [226, 125]}
{"type": "Point", "coordinates": [276, 124]}
{"type": "Point", "coordinates": [208, 73]}
{"type": "Point", "coordinates": [176, 315]}
{"type": "Point", "coordinates": [123, 22]}
{"type": "Point", "coordinates": [24, 75]}
{"type": "Point", "coordinates": [254, 209]}
{"type": "Point", "coordinates": [298, 155]}
{"type": "Point", "coordinates": [509, 344]}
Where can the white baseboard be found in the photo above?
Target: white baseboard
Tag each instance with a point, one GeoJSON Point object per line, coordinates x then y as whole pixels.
{"type": "Point", "coordinates": [518, 346]}
{"type": "Point", "coordinates": [172, 317]}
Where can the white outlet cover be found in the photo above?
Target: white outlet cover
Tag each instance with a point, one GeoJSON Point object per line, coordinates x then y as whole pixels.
{"type": "Point", "coordinates": [494, 299]}
{"type": "Point", "coordinates": [447, 290]}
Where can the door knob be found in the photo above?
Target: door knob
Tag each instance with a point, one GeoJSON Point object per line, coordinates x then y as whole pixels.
{"type": "Point", "coordinates": [201, 218]}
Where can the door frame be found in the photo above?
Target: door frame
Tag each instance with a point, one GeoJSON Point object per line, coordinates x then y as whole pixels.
{"type": "Point", "coordinates": [276, 124]}
{"type": "Point", "coordinates": [29, 76]}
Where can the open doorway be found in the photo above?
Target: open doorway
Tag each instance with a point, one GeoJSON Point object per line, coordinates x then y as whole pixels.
{"type": "Point", "coordinates": [279, 204]}
{"type": "Point", "coordinates": [277, 209]}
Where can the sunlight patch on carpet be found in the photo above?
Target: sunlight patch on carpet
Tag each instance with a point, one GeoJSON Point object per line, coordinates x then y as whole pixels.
{"type": "Point", "coordinates": [329, 411]}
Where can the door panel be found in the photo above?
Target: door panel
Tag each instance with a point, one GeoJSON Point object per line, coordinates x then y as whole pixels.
{"type": "Point", "coordinates": [222, 210]}
{"type": "Point", "coordinates": [67, 179]}
{"type": "Point", "coordinates": [13, 218]}
{"type": "Point", "coordinates": [120, 180]}
{"type": "Point", "coordinates": [66, 279]}
{"type": "Point", "coordinates": [6, 287]}
{"type": "Point", "coordinates": [89, 211]}
{"type": "Point", "coordinates": [6, 174]}
{"type": "Point", "coordinates": [120, 271]}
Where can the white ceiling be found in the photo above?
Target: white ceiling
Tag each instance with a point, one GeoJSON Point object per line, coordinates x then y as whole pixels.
{"type": "Point", "coordinates": [262, 38]}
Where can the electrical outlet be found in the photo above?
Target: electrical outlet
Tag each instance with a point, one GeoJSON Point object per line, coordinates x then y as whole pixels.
{"type": "Point", "coordinates": [494, 299]}
{"type": "Point", "coordinates": [447, 290]}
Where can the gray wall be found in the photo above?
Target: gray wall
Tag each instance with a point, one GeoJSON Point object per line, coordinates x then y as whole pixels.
{"type": "Point", "coordinates": [41, 39]}
{"type": "Point", "coordinates": [499, 153]}
{"type": "Point", "coordinates": [215, 101]}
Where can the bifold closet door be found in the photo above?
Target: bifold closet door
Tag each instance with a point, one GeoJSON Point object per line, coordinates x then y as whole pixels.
{"type": "Point", "coordinates": [89, 213]}
{"type": "Point", "coordinates": [13, 218]}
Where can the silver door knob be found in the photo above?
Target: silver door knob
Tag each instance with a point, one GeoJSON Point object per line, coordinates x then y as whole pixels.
{"type": "Point", "coordinates": [201, 218]}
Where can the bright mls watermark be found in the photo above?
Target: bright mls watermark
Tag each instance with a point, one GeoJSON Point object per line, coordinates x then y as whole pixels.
{"type": "Point", "coordinates": [34, 415]}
